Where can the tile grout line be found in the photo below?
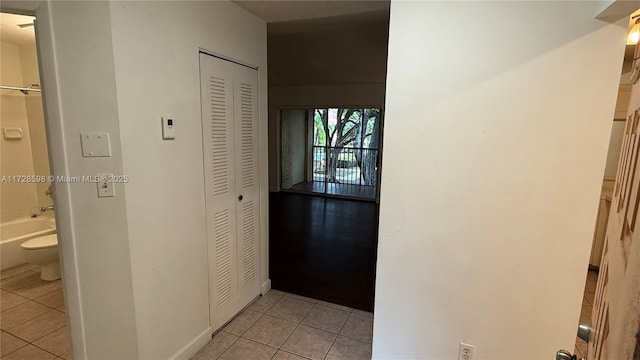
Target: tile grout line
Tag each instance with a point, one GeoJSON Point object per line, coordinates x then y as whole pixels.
{"type": "Point", "coordinates": [240, 337]}
{"type": "Point", "coordinates": [32, 343]}
{"type": "Point", "coordinates": [314, 304]}
{"type": "Point", "coordinates": [13, 292]}
{"type": "Point", "coordinates": [351, 312]}
{"type": "Point", "coordinates": [29, 342]}
{"type": "Point", "coordinates": [272, 305]}
{"type": "Point", "coordinates": [294, 330]}
{"type": "Point", "coordinates": [329, 331]}
{"type": "Point", "coordinates": [253, 323]}
{"type": "Point", "coordinates": [229, 347]}
{"type": "Point", "coordinates": [10, 331]}
{"type": "Point", "coordinates": [34, 300]}
{"type": "Point", "coordinates": [17, 348]}
{"type": "Point", "coordinates": [279, 348]}
{"type": "Point", "coordinates": [352, 338]}
{"type": "Point", "coordinates": [313, 326]}
{"type": "Point", "coordinates": [19, 272]}
{"type": "Point", "coordinates": [339, 331]}
{"type": "Point", "coordinates": [45, 350]}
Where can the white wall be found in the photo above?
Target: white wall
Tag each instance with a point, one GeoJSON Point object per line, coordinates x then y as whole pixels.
{"type": "Point", "coordinates": [137, 272]}
{"type": "Point", "coordinates": [18, 199]}
{"type": "Point", "coordinates": [29, 155]}
{"type": "Point", "coordinates": [299, 149]}
{"type": "Point", "coordinates": [136, 265]}
{"type": "Point", "coordinates": [485, 237]}
{"type": "Point", "coordinates": [293, 147]}
{"type": "Point", "coordinates": [157, 72]}
{"type": "Point", "coordinates": [309, 96]}
{"type": "Point", "coordinates": [615, 146]}
{"type": "Point", "coordinates": [35, 116]}
{"type": "Point", "coordinates": [349, 49]}
{"type": "Point", "coordinates": [74, 40]}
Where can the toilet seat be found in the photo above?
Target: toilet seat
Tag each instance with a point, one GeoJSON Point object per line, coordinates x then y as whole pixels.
{"type": "Point", "coordinates": [42, 242]}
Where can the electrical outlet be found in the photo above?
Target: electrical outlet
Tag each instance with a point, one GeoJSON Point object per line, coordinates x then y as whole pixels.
{"type": "Point", "coordinates": [466, 352]}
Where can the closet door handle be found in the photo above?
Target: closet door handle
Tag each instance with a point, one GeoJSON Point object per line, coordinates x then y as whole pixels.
{"type": "Point", "coordinates": [240, 198]}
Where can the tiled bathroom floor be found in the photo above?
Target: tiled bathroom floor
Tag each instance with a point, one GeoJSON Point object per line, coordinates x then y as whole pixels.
{"type": "Point", "coordinates": [282, 326]}
{"type": "Point", "coordinates": [587, 307]}
{"type": "Point", "coordinates": [33, 322]}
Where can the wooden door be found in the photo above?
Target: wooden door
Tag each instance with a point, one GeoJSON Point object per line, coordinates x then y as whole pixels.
{"type": "Point", "coordinates": [230, 142]}
{"type": "Point", "coordinates": [616, 308]}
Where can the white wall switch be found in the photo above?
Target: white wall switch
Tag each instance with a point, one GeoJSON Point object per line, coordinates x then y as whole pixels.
{"type": "Point", "coordinates": [12, 133]}
{"type": "Point", "coordinates": [95, 144]}
{"type": "Point", "coordinates": [168, 127]}
{"type": "Point", "coordinates": [106, 188]}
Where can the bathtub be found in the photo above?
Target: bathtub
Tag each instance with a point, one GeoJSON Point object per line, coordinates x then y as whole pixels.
{"type": "Point", "coordinates": [14, 233]}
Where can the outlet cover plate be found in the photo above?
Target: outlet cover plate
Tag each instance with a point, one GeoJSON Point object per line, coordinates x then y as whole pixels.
{"type": "Point", "coordinates": [466, 352]}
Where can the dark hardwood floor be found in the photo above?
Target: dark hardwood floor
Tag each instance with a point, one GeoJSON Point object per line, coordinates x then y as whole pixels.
{"type": "Point", "coordinates": [324, 248]}
{"type": "Point", "coordinates": [357, 191]}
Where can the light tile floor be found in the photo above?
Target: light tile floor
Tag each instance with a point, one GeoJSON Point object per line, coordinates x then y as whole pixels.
{"type": "Point", "coordinates": [277, 326]}
{"type": "Point", "coordinates": [282, 326]}
{"type": "Point", "coordinates": [587, 307]}
{"type": "Point", "coordinates": [33, 322]}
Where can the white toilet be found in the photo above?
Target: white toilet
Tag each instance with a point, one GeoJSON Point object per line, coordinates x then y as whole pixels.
{"type": "Point", "coordinates": [43, 251]}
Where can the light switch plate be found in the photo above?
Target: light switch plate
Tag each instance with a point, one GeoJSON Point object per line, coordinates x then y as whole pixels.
{"type": "Point", "coordinates": [95, 144]}
{"type": "Point", "coordinates": [106, 188]}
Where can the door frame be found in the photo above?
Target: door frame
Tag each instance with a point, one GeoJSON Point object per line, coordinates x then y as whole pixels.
{"type": "Point", "coordinates": [58, 159]}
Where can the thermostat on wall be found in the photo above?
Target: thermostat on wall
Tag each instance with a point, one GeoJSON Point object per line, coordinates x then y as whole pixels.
{"type": "Point", "coordinates": [168, 128]}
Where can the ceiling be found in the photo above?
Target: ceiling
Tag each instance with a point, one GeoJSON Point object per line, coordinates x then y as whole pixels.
{"type": "Point", "coordinates": [12, 33]}
{"type": "Point", "coordinates": [278, 11]}
{"type": "Point", "coordinates": [327, 42]}
{"type": "Point", "coordinates": [333, 23]}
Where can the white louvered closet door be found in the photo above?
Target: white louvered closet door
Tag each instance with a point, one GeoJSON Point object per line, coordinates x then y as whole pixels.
{"type": "Point", "coordinates": [246, 141]}
{"type": "Point", "coordinates": [229, 134]}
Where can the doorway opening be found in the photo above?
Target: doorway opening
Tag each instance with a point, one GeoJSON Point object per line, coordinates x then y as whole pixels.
{"type": "Point", "coordinates": [327, 87]}
{"type": "Point", "coordinates": [34, 322]}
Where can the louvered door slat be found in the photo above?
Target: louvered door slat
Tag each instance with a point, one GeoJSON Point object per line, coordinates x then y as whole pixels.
{"type": "Point", "coordinates": [249, 256]}
{"type": "Point", "coordinates": [246, 126]}
{"type": "Point", "coordinates": [219, 136]}
{"type": "Point", "coordinates": [231, 168]}
{"type": "Point", "coordinates": [224, 261]}
{"type": "Point", "coordinates": [220, 187]}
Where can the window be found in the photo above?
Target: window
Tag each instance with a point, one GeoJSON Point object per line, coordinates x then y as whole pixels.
{"type": "Point", "coordinates": [343, 148]}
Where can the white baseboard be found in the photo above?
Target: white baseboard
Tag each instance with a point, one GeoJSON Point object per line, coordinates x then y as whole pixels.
{"type": "Point", "coordinates": [266, 286]}
{"type": "Point", "coordinates": [193, 346]}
